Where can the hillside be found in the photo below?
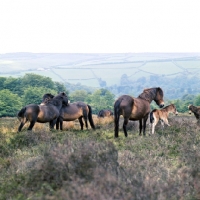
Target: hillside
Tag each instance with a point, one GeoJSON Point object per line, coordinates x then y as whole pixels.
{"type": "Point", "coordinates": [116, 72]}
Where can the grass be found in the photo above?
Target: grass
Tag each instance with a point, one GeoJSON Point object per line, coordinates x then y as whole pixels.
{"type": "Point", "coordinates": [88, 164]}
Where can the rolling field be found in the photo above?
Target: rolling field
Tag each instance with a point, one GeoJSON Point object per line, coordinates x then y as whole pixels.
{"type": "Point", "coordinates": [75, 164]}
{"type": "Point", "coordinates": [87, 69]}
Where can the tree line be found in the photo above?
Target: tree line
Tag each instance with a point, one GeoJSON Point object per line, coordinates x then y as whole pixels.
{"type": "Point", "coordinates": [29, 89]}
{"type": "Point", "coordinates": [18, 92]}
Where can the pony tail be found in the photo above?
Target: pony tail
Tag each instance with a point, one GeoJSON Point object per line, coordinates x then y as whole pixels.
{"type": "Point", "coordinates": [90, 117]}
{"type": "Point", "coordinates": [151, 117]}
{"type": "Point", "coordinates": [21, 112]}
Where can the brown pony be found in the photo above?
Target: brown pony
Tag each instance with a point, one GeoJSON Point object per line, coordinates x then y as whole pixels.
{"type": "Point", "coordinates": [105, 113]}
{"type": "Point", "coordinates": [162, 115]}
{"type": "Point", "coordinates": [136, 108]}
{"type": "Point", "coordinates": [195, 110]}
{"type": "Point", "coordinates": [42, 113]}
{"type": "Point", "coordinates": [78, 110]}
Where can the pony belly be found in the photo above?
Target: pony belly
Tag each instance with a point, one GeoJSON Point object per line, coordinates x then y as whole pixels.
{"type": "Point", "coordinates": [135, 117]}
{"type": "Point", "coordinates": [70, 117]}
{"type": "Point", "coordinates": [42, 118]}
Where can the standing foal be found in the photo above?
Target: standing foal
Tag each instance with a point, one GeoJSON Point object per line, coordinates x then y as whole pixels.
{"type": "Point", "coordinates": [162, 115]}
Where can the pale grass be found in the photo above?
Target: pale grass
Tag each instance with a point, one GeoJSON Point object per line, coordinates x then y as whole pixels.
{"type": "Point", "coordinates": [103, 121]}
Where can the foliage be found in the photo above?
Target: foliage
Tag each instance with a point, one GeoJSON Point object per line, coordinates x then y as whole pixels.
{"type": "Point", "coordinates": [35, 80]}
{"type": "Point", "coordinates": [15, 85]}
{"type": "Point", "coordinates": [9, 103]}
{"type": "Point", "coordinates": [101, 99]}
{"type": "Point", "coordinates": [34, 95]}
{"type": "Point", "coordinates": [18, 92]}
{"type": "Point", "coordinates": [60, 88]}
{"type": "Point", "coordinates": [78, 95]}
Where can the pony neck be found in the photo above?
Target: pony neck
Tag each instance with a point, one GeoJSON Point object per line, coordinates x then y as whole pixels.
{"type": "Point", "coordinates": [146, 97]}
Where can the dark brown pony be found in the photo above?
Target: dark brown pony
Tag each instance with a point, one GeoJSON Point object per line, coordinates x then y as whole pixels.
{"type": "Point", "coordinates": [161, 115]}
{"type": "Point", "coordinates": [78, 110]}
{"type": "Point", "coordinates": [105, 113]}
{"type": "Point", "coordinates": [195, 110]}
{"type": "Point", "coordinates": [136, 108]}
{"type": "Point", "coordinates": [42, 113]}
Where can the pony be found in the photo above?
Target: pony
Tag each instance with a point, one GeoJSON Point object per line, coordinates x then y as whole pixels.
{"type": "Point", "coordinates": [195, 110]}
{"type": "Point", "coordinates": [72, 111]}
{"type": "Point", "coordinates": [162, 116]}
{"type": "Point", "coordinates": [136, 108]}
{"type": "Point", "coordinates": [105, 113]}
{"type": "Point", "coordinates": [42, 113]}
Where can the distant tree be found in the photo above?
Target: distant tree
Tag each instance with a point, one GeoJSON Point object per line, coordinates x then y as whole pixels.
{"type": "Point", "coordinates": [2, 80]}
{"type": "Point", "coordinates": [188, 98]}
{"type": "Point", "coordinates": [59, 87]}
{"type": "Point", "coordinates": [14, 85]}
{"type": "Point", "coordinates": [35, 80]}
{"type": "Point", "coordinates": [10, 103]}
{"type": "Point", "coordinates": [101, 99]}
{"type": "Point", "coordinates": [34, 94]}
{"type": "Point", "coordinates": [78, 95]}
{"type": "Point", "coordinates": [197, 100]}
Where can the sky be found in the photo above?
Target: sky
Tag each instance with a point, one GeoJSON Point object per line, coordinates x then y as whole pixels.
{"type": "Point", "coordinates": [99, 26]}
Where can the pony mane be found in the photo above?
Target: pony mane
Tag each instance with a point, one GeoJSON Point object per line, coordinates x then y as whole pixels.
{"type": "Point", "coordinates": [148, 94]}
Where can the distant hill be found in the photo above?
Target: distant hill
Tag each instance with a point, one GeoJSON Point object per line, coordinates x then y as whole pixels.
{"type": "Point", "coordinates": [128, 72]}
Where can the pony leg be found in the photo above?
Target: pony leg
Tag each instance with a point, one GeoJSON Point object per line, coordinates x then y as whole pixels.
{"type": "Point", "coordinates": [59, 122]}
{"type": "Point", "coordinates": [90, 117]}
{"type": "Point", "coordinates": [154, 125]}
{"type": "Point", "coordinates": [86, 124]}
{"type": "Point", "coordinates": [140, 126]}
{"type": "Point", "coordinates": [144, 124]}
{"type": "Point", "coordinates": [124, 126]}
{"type": "Point", "coordinates": [52, 124]}
{"type": "Point", "coordinates": [116, 121]}
{"type": "Point", "coordinates": [32, 123]}
{"type": "Point", "coordinates": [81, 122]}
{"type": "Point", "coordinates": [166, 122]}
{"type": "Point", "coordinates": [21, 125]}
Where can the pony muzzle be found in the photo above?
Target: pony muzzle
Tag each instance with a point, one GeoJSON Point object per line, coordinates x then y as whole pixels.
{"type": "Point", "coordinates": [161, 105]}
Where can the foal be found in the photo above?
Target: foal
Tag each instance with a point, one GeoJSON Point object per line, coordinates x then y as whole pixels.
{"type": "Point", "coordinates": [162, 115]}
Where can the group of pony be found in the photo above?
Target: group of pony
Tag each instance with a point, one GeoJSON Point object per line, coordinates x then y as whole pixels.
{"type": "Point", "coordinates": [56, 109]}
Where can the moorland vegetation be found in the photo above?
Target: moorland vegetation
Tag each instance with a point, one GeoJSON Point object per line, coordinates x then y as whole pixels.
{"type": "Point", "coordinates": [88, 164]}
{"type": "Point", "coordinates": [92, 164]}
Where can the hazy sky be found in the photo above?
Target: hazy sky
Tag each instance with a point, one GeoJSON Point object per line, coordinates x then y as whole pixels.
{"type": "Point", "coordinates": [99, 26]}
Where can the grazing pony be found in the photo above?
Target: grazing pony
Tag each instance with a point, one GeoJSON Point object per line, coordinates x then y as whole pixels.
{"type": "Point", "coordinates": [42, 113]}
{"type": "Point", "coordinates": [162, 116]}
{"type": "Point", "coordinates": [105, 113]}
{"type": "Point", "coordinates": [195, 110]}
{"type": "Point", "coordinates": [136, 108]}
{"type": "Point", "coordinates": [72, 111]}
